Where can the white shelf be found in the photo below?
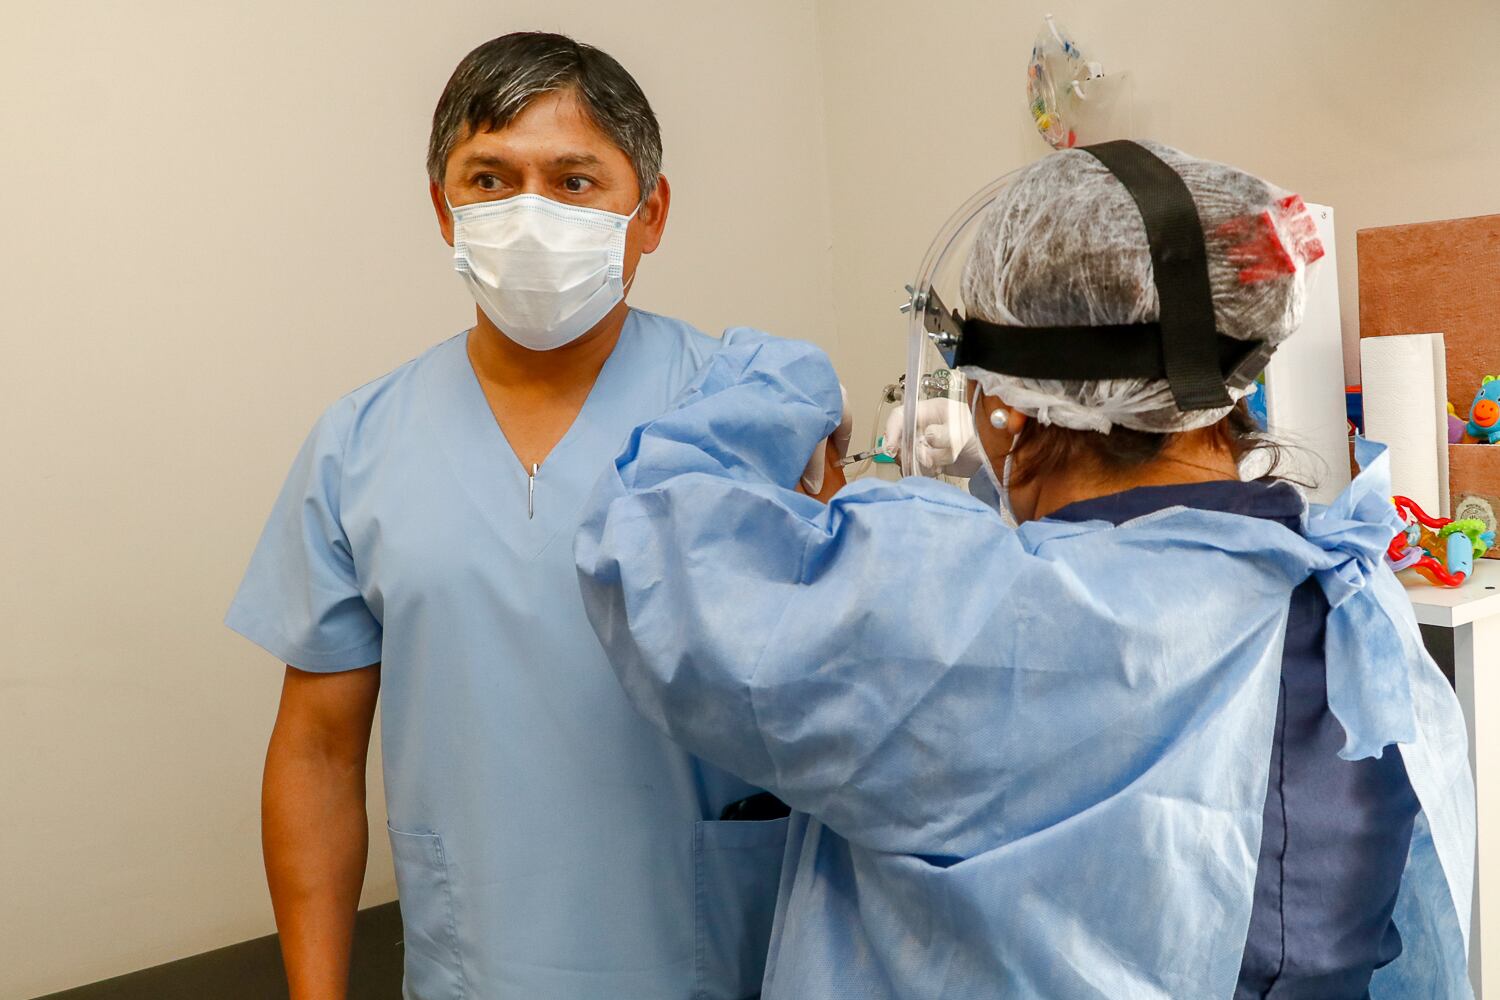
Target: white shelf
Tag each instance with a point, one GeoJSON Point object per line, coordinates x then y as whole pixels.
{"type": "Point", "coordinates": [1478, 598]}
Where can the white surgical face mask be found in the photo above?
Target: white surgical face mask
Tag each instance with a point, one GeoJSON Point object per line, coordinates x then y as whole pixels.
{"type": "Point", "coordinates": [542, 271]}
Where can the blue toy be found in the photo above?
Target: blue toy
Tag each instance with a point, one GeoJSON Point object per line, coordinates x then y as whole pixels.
{"type": "Point", "coordinates": [1354, 409]}
{"type": "Point", "coordinates": [1484, 413]}
{"type": "Point", "coordinates": [1255, 402]}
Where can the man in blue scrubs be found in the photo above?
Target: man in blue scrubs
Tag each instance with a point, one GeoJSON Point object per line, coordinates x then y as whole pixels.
{"type": "Point", "coordinates": [548, 842]}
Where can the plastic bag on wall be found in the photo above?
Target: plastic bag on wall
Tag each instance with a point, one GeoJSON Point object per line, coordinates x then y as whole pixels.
{"type": "Point", "coordinates": [1072, 101]}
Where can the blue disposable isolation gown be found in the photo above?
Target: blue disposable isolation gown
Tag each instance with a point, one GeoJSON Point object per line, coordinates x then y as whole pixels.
{"type": "Point", "coordinates": [548, 841]}
{"type": "Point", "coordinates": [1024, 762]}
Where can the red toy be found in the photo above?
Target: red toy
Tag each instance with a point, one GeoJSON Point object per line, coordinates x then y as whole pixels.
{"type": "Point", "coordinates": [1460, 542]}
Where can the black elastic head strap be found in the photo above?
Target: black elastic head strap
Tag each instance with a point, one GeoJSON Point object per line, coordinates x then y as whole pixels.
{"type": "Point", "coordinates": [1184, 346]}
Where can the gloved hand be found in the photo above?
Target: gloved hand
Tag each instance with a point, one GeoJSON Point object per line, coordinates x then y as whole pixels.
{"type": "Point", "coordinates": [812, 476]}
{"type": "Point", "coordinates": [946, 441]}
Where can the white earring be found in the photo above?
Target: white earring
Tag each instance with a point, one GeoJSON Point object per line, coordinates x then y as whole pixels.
{"type": "Point", "coordinates": [998, 418]}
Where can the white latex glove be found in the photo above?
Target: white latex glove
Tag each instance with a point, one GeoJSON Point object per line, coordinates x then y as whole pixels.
{"type": "Point", "coordinates": [946, 441]}
{"type": "Point", "coordinates": [812, 476]}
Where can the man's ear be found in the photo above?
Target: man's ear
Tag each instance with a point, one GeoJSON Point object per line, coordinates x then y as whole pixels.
{"type": "Point", "coordinates": [654, 214]}
{"type": "Point", "coordinates": [440, 206]}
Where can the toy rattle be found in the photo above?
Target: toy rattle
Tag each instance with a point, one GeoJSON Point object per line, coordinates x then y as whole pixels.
{"type": "Point", "coordinates": [1484, 412]}
{"type": "Point", "coordinates": [1416, 547]}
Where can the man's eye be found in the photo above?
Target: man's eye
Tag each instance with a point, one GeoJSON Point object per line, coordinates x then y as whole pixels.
{"type": "Point", "coordinates": [577, 185]}
{"type": "Point", "coordinates": [487, 182]}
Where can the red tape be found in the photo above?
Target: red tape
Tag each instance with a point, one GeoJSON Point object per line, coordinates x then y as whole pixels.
{"type": "Point", "coordinates": [1273, 243]}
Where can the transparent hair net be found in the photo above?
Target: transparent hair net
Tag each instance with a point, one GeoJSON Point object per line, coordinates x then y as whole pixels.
{"type": "Point", "coordinates": [1063, 243]}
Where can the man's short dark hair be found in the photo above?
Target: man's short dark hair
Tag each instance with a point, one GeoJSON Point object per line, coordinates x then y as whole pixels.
{"type": "Point", "coordinates": [496, 82]}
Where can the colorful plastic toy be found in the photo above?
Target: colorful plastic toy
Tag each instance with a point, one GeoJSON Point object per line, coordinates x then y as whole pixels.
{"type": "Point", "coordinates": [1484, 412]}
{"type": "Point", "coordinates": [1441, 549]}
{"type": "Point", "coordinates": [1255, 402]}
{"type": "Point", "coordinates": [1456, 426]}
{"type": "Point", "coordinates": [1354, 408]}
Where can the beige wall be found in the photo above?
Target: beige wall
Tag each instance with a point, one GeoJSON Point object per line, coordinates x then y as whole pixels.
{"type": "Point", "coordinates": [215, 222]}
{"type": "Point", "coordinates": [1385, 110]}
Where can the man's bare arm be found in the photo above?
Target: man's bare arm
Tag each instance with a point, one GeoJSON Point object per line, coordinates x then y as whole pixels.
{"type": "Point", "coordinates": [314, 830]}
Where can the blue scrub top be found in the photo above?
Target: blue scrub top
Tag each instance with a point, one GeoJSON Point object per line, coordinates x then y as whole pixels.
{"type": "Point", "coordinates": [548, 842]}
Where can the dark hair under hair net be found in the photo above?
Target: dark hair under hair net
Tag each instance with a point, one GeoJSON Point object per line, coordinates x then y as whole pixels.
{"type": "Point", "coordinates": [1064, 244]}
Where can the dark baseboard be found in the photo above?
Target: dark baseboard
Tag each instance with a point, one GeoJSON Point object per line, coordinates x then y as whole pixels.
{"type": "Point", "coordinates": [251, 970]}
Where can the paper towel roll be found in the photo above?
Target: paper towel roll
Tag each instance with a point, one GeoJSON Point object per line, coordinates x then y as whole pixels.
{"type": "Point", "coordinates": [1406, 406]}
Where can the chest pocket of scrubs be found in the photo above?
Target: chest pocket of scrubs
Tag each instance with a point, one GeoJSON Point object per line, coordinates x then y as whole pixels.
{"type": "Point", "coordinates": [737, 870]}
{"type": "Point", "coordinates": [433, 968]}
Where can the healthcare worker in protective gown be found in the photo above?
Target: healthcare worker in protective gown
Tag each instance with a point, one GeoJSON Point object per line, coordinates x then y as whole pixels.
{"type": "Point", "coordinates": [1174, 736]}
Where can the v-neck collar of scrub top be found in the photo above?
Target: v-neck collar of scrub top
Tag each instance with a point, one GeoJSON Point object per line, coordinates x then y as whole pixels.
{"type": "Point", "coordinates": [486, 465]}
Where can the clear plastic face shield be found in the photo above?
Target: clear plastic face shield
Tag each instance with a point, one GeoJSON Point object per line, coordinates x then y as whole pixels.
{"type": "Point", "coordinates": [944, 410]}
{"type": "Point", "coordinates": [934, 331]}
{"type": "Point", "coordinates": [1067, 96]}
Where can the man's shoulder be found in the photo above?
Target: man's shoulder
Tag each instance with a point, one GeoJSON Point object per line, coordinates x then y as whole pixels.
{"type": "Point", "coordinates": [403, 376]}
{"type": "Point", "coordinates": [670, 335]}
{"type": "Point", "coordinates": [394, 390]}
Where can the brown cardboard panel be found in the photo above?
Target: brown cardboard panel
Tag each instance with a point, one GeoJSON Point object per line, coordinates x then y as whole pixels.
{"type": "Point", "coordinates": [1432, 277]}
{"type": "Point", "coordinates": [1474, 470]}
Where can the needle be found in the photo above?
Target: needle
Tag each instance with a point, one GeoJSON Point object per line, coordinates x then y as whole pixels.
{"type": "Point", "coordinates": [862, 456]}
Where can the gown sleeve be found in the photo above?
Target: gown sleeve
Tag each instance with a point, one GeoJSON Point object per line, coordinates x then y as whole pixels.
{"type": "Point", "coordinates": [785, 641]}
{"type": "Point", "coordinates": [300, 598]}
